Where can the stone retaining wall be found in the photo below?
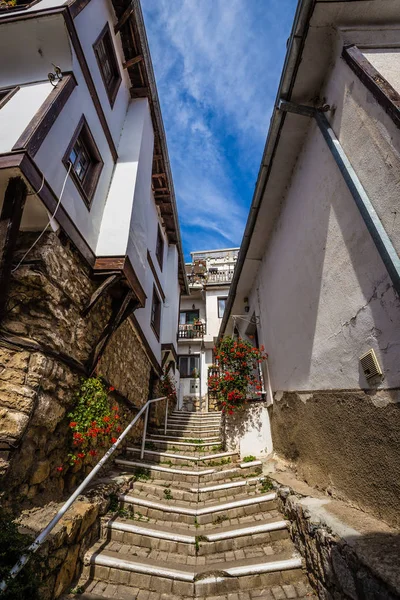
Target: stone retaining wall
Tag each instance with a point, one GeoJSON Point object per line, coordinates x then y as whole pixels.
{"type": "Point", "coordinates": [37, 390]}
{"type": "Point", "coordinates": [347, 566]}
{"type": "Point", "coordinates": [62, 555]}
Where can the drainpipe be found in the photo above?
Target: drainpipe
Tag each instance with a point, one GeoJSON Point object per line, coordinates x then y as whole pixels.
{"type": "Point", "coordinates": [386, 250]}
{"type": "Point", "coordinates": [291, 65]}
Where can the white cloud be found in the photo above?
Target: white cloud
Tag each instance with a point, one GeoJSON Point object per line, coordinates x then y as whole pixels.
{"type": "Point", "coordinates": [216, 68]}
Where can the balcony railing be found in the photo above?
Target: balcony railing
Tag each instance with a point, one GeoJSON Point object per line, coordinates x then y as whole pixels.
{"type": "Point", "coordinates": [191, 331]}
{"type": "Point", "coordinates": [210, 277]}
{"type": "Point", "coordinates": [219, 276]}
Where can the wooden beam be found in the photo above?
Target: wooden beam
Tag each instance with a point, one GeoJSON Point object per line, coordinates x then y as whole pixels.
{"type": "Point", "coordinates": [139, 92]}
{"type": "Point", "coordinates": [37, 129]}
{"type": "Point", "coordinates": [155, 175]}
{"type": "Point", "coordinates": [10, 220]}
{"type": "Point", "coordinates": [379, 87]}
{"type": "Point", "coordinates": [125, 16]}
{"type": "Point", "coordinates": [25, 343]}
{"type": "Point", "coordinates": [132, 61]}
{"type": "Point", "coordinates": [125, 307]}
{"type": "Point", "coordinates": [155, 276]}
{"type": "Point", "coordinates": [103, 287]}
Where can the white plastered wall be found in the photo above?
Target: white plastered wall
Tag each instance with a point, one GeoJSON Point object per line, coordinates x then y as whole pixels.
{"type": "Point", "coordinates": [213, 321]}
{"type": "Point", "coordinates": [322, 292]}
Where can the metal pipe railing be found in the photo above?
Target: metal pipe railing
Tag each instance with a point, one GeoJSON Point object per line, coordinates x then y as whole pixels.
{"type": "Point", "coordinates": [41, 538]}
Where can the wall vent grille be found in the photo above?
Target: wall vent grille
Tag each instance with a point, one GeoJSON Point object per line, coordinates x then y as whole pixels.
{"type": "Point", "coordinates": [370, 364]}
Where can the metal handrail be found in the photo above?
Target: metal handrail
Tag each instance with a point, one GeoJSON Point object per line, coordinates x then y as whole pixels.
{"type": "Point", "coordinates": [46, 531]}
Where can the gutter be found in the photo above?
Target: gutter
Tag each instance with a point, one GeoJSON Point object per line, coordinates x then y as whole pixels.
{"type": "Point", "coordinates": [291, 65]}
{"type": "Point", "coordinates": [157, 111]}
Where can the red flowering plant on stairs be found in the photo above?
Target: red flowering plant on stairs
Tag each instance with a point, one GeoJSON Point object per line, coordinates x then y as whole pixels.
{"type": "Point", "coordinates": [235, 377]}
{"type": "Point", "coordinates": [95, 420]}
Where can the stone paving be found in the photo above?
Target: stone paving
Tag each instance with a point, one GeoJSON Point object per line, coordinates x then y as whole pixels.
{"type": "Point", "coordinates": [151, 550]}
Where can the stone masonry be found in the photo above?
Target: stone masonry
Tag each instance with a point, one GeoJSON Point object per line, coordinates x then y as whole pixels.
{"type": "Point", "coordinates": [47, 295]}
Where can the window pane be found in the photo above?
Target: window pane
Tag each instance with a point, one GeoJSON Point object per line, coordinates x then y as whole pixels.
{"type": "Point", "coordinates": [182, 318]}
{"type": "Point", "coordinates": [221, 307]}
{"type": "Point", "coordinates": [73, 156]}
{"type": "Point", "coordinates": [183, 366]}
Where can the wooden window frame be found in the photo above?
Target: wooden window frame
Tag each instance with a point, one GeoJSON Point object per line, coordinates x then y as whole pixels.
{"type": "Point", "coordinates": [156, 322]}
{"type": "Point", "coordinates": [195, 356]}
{"type": "Point", "coordinates": [160, 247]}
{"type": "Point", "coordinates": [87, 188]}
{"type": "Point", "coordinates": [113, 87]}
{"type": "Point", "coordinates": [10, 91]}
{"type": "Point", "coordinates": [218, 299]}
{"type": "Point", "coordinates": [383, 92]}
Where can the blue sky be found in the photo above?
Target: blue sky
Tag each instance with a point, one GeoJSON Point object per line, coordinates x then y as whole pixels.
{"type": "Point", "coordinates": [217, 65]}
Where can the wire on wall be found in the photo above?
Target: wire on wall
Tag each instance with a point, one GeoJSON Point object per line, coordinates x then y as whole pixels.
{"type": "Point", "coordinates": [50, 220]}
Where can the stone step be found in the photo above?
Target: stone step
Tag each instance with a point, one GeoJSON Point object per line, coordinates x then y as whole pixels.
{"type": "Point", "coordinates": [192, 430]}
{"type": "Point", "coordinates": [191, 513]}
{"type": "Point", "coordinates": [226, 491]}
{"type": "Point", "coordinates": [186, 580]}
{"type": "Point", "coordinates": [171, 445]}
{"type": "Point", "coordinates": [297, 590]}
{"type": "Point", "coordinates": [193, 426]}
{"type": "Point", "coordinates": [179, 438]}
{"type": "Point", "coordinates": [192, 493]}
{"type": "Point", "coordinates": [183, 413]}
{"type": "Point", "coordinates": [185, 459]}
{"type": "Point", "coordinates": [195, 421]}
{"type": "Point", "coordinates": [197, 541]}
{"type": "Point", "coordinates": [190, 474]}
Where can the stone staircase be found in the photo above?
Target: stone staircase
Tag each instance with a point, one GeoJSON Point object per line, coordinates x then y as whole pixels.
{"type": "Point", "coordinates": [197, 522]}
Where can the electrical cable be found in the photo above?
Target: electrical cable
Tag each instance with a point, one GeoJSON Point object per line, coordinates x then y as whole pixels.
{"type": "Point", "coordinates": [50, 220]}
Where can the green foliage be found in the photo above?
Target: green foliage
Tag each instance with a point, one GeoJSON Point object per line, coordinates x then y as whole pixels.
{"type": "Point", "coordinates": [142, 474]}
{"type": "Point", "coordinates": [236, 377]}
{"type": "Point", "coordinates": [12, 546]}
{"type": "Point", "coordinates": [249, 458]}
{"type": "Point", "coordinates": [167, 387]}
{"type": "Point", "coordinates": [94, 421]}
{"type": "Point", "coordinates": [266, 485]}
{"type": "Point", "coordinates": [168, 494]}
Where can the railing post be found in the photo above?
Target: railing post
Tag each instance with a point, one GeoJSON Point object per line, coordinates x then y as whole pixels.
{"type": "Point", "coordinates": [146, 416]}
{"type": "Point", "coordinates": [166, 418]}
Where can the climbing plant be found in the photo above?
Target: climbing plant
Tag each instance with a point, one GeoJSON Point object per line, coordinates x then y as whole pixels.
{"type": "Point", "coordinates": [235, 376]}
{"type": "Point", "coordinates": [167, 387]}
{"type": "Point", "coordinates": [94, 420]}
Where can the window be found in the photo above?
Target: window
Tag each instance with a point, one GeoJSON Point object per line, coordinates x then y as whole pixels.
{"type": "Point", "coordinates": [187, 317]}
{"type": "Point", "coordinates": [221, 307]}
{"type": "Point", "coordinates": [6, 94]}
{"type": "Point", "coordinates": [160, 248]}
{"type": "Point", "coordinates": [86, 161]}
{"type": "Point", "coordinates": [108, 65]}
{"type": "Point", "coordinates": [156, 313]}
{"type": "Point", "coordinates": [189, 366]}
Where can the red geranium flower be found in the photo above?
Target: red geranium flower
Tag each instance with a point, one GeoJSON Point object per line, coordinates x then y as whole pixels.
{"type": "Point", "coordinates": [60, 468]}
{"type": "Point", "coordinates": [81, 455]}
{"type": "Point", "coordinates": [111, 389]}
{"type": "Point", "coordinates": [73, 424]}
{"type": "Point", "coordinates": [113, 440]}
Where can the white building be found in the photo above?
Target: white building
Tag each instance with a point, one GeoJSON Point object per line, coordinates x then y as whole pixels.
{"type": "Point", "coordinates": [210, 274]}
{"type": "Point", "coordinates": [319, 262]}
{"type": "Point", "coordinates": [80, 116]}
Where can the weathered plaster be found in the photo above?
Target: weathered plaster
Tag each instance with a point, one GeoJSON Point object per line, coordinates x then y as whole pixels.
{"type": "Point", "coordinates": [344, 442]}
